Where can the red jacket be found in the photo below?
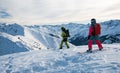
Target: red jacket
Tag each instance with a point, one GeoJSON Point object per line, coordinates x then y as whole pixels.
{"type": "Point", "coordinates": [96, 30]}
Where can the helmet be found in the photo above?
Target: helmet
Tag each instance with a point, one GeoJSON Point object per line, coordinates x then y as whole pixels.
{"type": "Point", "coordinates": [62, 28]}
{"type": "Point", "coordinates": [93, 20]}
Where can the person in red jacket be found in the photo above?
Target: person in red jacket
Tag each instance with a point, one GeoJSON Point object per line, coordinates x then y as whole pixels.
{"type": "Point", "coordinates": [94, 32]}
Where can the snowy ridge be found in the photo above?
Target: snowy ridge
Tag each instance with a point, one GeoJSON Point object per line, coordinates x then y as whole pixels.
{"type": "Point", "coordinates": [63, 61]}
{"type": "Point", "coordinates": [27, 37]}
{"type": "Point", "coordinates": [13, 39]}
{"type": "Point", "coordinates": [9, 44]}
{"type": "Point", "coordinates": [44, 36]}
{"type": "Point", "coordinates": [12, 29]}
{"type": "Point", "coordinates": [110, 32]}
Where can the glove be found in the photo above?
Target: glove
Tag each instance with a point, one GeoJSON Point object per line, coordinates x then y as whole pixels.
{"type": "Point", "coordinates": [93, 33]}
{"type": "Point", "coordinates": [88, 37]}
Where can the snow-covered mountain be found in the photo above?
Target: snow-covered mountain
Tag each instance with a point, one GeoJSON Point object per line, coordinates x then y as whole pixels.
{"type": "Point", "coordinates": [16, 38]}
{"type": "Point", "coordinates": [110, 32]}
{"type": "Point", "coordinates": [48, 36]}
{"type": "Point", "coordinates": [8, 42]}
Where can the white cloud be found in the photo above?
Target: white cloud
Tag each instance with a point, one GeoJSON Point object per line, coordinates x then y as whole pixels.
{"type": "Point", "coordinates": [51, 11]}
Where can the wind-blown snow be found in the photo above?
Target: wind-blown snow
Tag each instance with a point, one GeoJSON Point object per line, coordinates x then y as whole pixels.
{"type": "Point", "coordinates": [63, 61]}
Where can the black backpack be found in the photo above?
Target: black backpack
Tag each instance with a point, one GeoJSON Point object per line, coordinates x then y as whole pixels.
{"type": "Point", "coordinates": [67, 33]}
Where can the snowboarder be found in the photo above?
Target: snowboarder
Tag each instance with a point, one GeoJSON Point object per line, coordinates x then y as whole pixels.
{"type": "Point", "coordinates": [94, 32]}
{"type": "Point", "coordinates": [65, 35]}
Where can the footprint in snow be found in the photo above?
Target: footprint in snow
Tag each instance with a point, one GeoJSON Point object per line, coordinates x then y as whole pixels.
{"type": "Point", "coordinates": [60, 63]}
{"type": "Point", "coordinates": [73, 59]}
{"type": "Point", "coordinates": [36, 67]}
{"type": "Point", "coordinates": [9, 65]}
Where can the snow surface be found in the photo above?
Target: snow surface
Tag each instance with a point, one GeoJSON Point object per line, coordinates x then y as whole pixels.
{"type": "Point", "coordinates": [71, 60]}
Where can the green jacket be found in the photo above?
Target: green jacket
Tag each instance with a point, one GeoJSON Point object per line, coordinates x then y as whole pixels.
{"type": "Point", "coordinates": [63, 34]}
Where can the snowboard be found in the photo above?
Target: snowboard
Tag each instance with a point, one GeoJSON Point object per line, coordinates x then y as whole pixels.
{"type": "Point", "coordinates": [93, 51]}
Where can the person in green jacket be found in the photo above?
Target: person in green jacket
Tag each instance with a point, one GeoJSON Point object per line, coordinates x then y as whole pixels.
{"type": "Point", "coordinates": [64, 38]}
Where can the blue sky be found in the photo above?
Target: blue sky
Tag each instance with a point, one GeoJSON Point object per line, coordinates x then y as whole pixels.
{"type": "Point", "coordinates": [58, 11]}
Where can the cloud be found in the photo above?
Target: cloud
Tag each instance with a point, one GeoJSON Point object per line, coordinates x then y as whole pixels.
{"type": "Point", "coordinates": [51, 11]}
{"type": "Point", "coordinates": [111, 12]}
{"type": "Point", "coordinates": [114, 7]}
{"type": "Point", "coordinates": [4, 14]}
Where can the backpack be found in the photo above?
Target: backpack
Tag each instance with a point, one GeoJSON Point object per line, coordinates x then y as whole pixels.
{"type": "Point", "coordinates": [67, 33]}
{"type": "Point", "coordinates": [97, 29]}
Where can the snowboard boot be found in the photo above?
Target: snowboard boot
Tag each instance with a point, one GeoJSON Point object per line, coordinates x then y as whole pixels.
{"type": "Point", "coordinates": [100, 48]}
{"type": "Point", "coordinates": [60, 48]}
{"type": "Point", "coordinates": [68, 47]}
{"type": "Point", "coordinates": [89, 50]}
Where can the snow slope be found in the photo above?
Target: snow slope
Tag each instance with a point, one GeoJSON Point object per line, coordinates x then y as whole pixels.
{"type": "Point", "coordinates": [27, 38]}
{"type": "Point", "coordinates": [9, 45]}
{"type": "Point", "coordinates": [8, 39]}
{"type": "Point", "coordinates": [63, 61]}
{"type": "Point", "coordinates": [44, 36]}
{"type": "Point", "coordinates": [15, 38]}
